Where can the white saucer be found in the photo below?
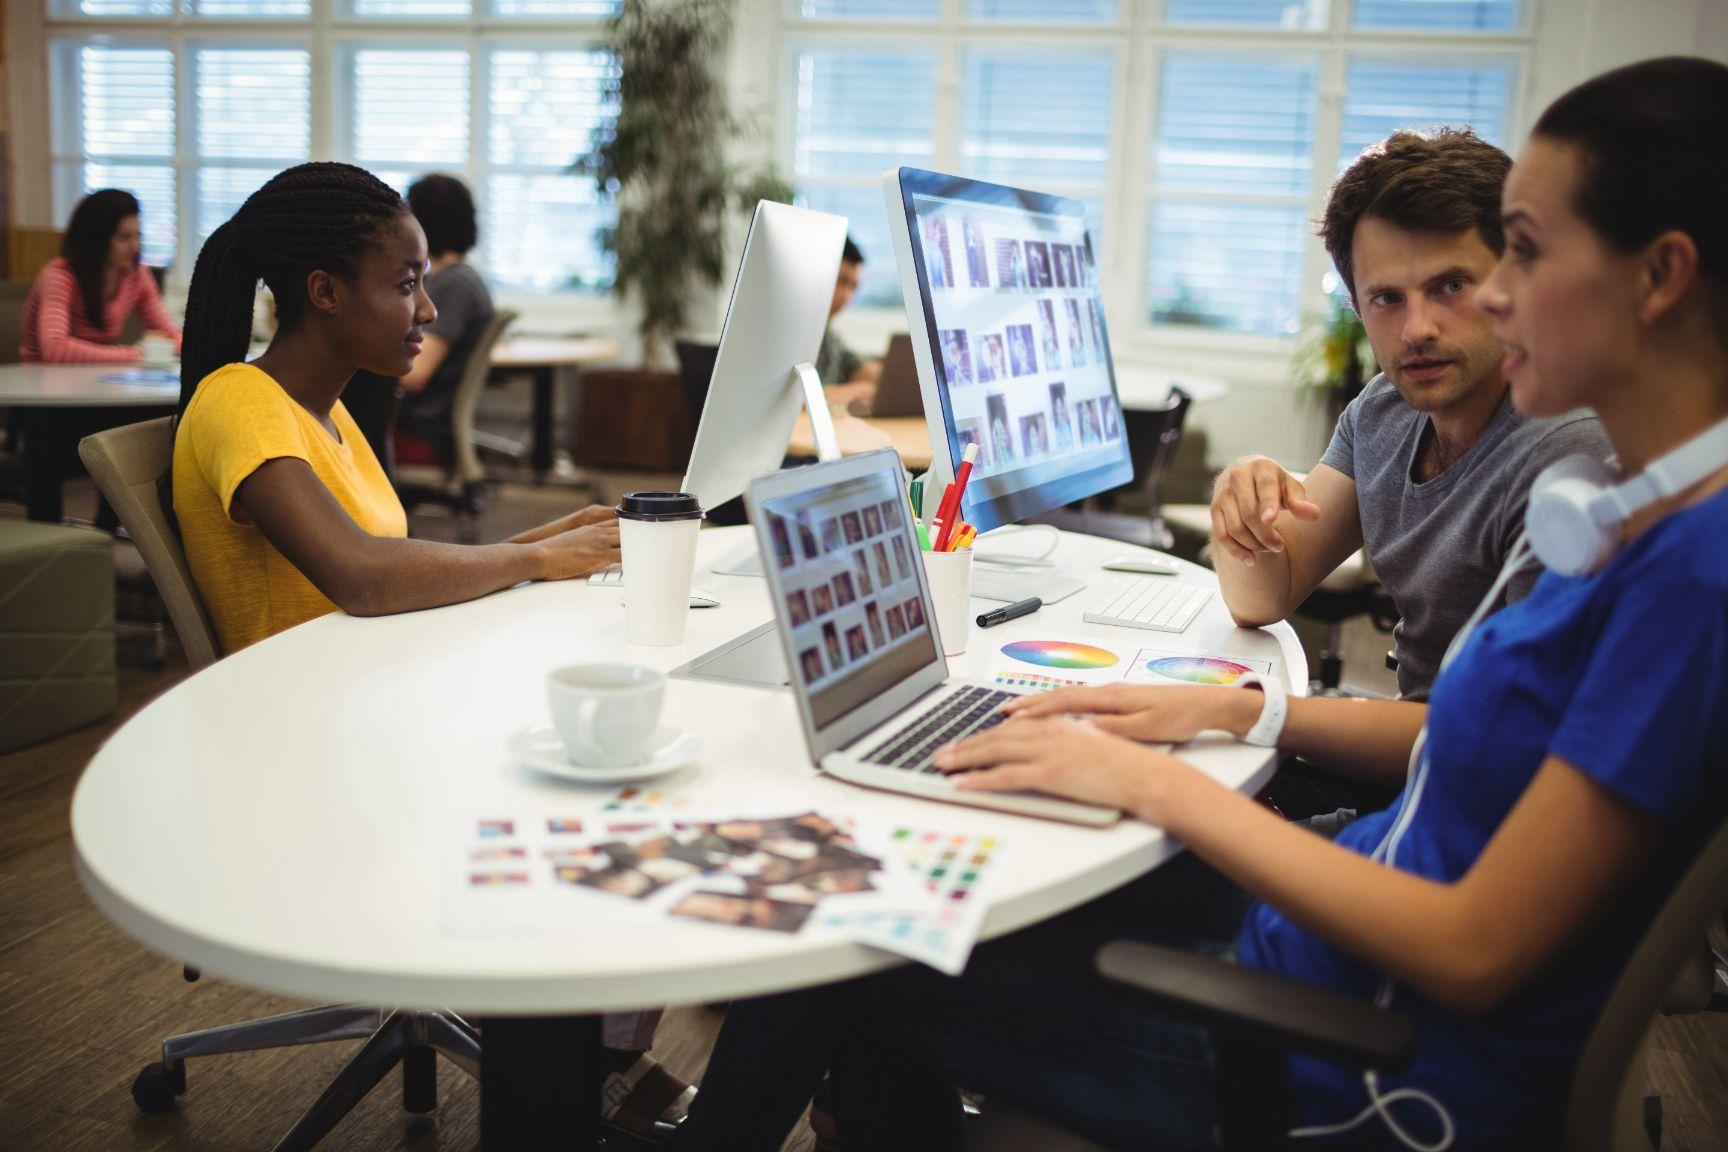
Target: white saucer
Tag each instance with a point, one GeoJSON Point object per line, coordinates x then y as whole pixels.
{"type": "Point", "coordinates": [541, 747]}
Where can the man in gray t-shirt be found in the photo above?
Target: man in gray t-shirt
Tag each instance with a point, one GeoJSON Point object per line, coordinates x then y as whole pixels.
{"type": "Point", "coordinates": [1430, 468]}
{"type": "Point", "coordinates": [464, 310]}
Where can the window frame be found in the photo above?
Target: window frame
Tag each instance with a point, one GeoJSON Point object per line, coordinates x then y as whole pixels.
{"type": "Point", "coordinates": [329, 35]}
{"type": "Point", "coordinates": [1141, 36]}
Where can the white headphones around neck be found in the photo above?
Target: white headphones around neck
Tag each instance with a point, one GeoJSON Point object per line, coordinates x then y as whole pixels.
{"type": "Point", "coordinates": [1577, 505]}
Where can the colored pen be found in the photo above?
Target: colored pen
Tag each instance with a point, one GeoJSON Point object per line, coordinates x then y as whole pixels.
{"type": "Point", "coordinates": [950, 510]}
{"type": "Point", "coordinates": [1009, 612]}
{"type": "Point", "coordinates": [923, 536]}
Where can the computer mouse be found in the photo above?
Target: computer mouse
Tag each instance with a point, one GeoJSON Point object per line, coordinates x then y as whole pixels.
{"type": "Point", "coordinates": [1143, 565]}
{"type": "Point", "coordinates": [701, 599]}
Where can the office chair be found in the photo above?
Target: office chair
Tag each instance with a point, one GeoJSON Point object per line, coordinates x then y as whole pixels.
{"type": "Point", "coordinates": [460, 483]}
{"type": "Point", "coordinates": [1256, 1018]}
{"type": "Point", "coordinates": [126, 464]}
{"type": "Point", "coordinates": [1152, 439]}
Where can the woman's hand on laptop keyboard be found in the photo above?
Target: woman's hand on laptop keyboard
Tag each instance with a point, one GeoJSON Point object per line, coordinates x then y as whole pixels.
{"type": "Point", "coordinates": [1142, 712]}
{"type": "Point", "coordinates": [1071, 758]}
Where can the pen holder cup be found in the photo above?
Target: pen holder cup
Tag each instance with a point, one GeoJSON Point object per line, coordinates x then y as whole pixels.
{"type": "Point", "coordinates": [950, 577]}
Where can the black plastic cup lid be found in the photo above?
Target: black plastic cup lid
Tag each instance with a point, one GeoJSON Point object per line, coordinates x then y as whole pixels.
{"type": "Point", "coordinates": [660, 506]}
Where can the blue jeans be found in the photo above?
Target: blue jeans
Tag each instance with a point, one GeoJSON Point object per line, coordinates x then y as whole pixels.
{"type": "Point", "coordinates": [1027, 1022]}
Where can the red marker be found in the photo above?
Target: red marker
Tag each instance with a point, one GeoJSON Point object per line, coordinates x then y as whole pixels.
{"type": "Point", "coordinates": [949, 512]}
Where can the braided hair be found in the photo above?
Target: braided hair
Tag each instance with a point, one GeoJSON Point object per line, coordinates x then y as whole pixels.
{"type": "Point", "coordinates": [89, 236]}
{"type": "Point", "coordinates": [320, 216]}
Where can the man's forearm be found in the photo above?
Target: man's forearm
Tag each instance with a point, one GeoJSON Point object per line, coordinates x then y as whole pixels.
{"type": "Point", "coordinates": [1255, 596]}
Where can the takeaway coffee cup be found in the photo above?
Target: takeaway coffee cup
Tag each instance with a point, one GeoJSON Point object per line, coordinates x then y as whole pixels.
{"type": "Point", "coordinates": [605, 713]}
{"type": "Point", "coordinates": [657, 532]}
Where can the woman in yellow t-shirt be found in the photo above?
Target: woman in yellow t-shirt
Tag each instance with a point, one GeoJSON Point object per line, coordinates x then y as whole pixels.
{"type": "Point", "coordinates": [284, 511]}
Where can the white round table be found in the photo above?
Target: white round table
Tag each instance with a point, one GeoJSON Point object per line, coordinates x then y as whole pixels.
{"type": "Point", "coordinates": [281, 818]}
{"type": "Point", "coordinates": [56, 403]}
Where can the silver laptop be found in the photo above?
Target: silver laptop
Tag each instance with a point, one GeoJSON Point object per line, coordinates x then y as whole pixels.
{"type": "Point", "coordinates": [855, 622]}
{"type": "Point", "coordinates": [897, 392]}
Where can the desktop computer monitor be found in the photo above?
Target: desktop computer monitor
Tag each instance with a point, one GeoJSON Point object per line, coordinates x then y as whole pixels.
{"type": "Point", "coordinates": [1007, 326]}
{"type": "Point", "coordinates": [774, 322]}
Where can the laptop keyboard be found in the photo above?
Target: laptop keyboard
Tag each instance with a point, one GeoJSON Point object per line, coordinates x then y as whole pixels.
{"type": "Point", "coordinates": [967, 711]}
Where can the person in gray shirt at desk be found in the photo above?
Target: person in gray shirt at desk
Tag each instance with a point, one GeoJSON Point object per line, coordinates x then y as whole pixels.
{"type": "Point", "coordinates": [1430, 467]}
{"type": "Point", "coordinates": [445, 210]}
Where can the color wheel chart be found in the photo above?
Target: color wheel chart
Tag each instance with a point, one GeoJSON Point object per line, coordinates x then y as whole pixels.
{"type": "Point", "coordinates": [1184, 668]}
{"type": "Point", "coordinates": [1060, 654]}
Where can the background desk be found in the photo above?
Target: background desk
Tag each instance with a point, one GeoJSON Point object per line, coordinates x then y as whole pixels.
{"type": "Point", "coordinates": [58, 404]}
{"type": "Point", "coordinates": [548, 359]}
{"type": "Point", "coordinates": [281, 817]}
{"type": "Point", "coordinates": [909, 434]}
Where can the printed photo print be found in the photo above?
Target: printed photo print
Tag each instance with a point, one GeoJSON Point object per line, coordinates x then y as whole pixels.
{"type": "Point", "coordinates": [956, 357]}
{"type": "Point", "coordinates": [1038, 265]}
{"type": "Point", "coordinates": [1001, 433]}
{"type": "Point", "coordinates": [1022, 359]}
{"type": "Point", "coordinates": [744, 911]}
{"type": "Point", "coordinates": [1010, 266]}
{"type": "Point", "coordinates": [972, 432]}
{"type": "Point", "coordinates": [977, 255]}
{"type": "Point", "coordinates": [936, 255]}
{"type": "Point", "coordinates": [1086, 415]}
{"type": "Point", "coordinates": [810, 660]}
{"type": "Point", "coordinates": [992, 358]}
{"type": "Point", "coordinates": [1034, 436]}
{"type": "Point", "coordinates": [1076, 334]}
{"type": "Point", "coordinates": [798, 607]}
{"type": "Point", "coordinates": [1061, 427]}
{"type": "Point", "coordinates": [1047, 334]}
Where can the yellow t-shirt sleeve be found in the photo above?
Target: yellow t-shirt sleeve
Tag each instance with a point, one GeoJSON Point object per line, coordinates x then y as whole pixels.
{"type": "Point", "coordinates": [242, 423]}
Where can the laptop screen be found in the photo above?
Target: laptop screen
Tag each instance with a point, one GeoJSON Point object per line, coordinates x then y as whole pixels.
{"type": "Point", "coordinates": [841, 565]}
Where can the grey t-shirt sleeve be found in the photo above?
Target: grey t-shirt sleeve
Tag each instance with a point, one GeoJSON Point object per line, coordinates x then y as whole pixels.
{"type": "Point", "coordinates": [1574, 435]}
{"type": "Point", "coordinates": [1341, 452]}
{"type": "Point", "coordinates": [459, 300]}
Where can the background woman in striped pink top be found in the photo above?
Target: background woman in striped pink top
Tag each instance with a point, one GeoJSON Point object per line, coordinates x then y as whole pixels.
{"type": "Point", "coordinates": [82, 299]}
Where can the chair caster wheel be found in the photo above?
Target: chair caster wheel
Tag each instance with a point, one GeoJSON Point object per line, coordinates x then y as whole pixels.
{"type": "Point", "coordinates": [157, 1085]}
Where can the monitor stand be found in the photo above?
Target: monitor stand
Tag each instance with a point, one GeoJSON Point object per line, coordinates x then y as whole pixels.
{"type": "Point", "coordinates": [753, 660]}
{"type": "Point", "coordinates": [747, 561]}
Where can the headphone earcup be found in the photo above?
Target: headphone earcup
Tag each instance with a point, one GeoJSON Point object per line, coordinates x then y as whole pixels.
{"type": "Point", "coordinates": [1564, 533]}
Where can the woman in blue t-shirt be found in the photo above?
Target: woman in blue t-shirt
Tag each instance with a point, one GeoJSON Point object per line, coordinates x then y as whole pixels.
{"type": "Point", "coordinates": [1574, 755]}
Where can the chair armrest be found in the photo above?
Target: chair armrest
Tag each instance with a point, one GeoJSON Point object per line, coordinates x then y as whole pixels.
{"type": "Point", "coordinates": [1260, 1008]}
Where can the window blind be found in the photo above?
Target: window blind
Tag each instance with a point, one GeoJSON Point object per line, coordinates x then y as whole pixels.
{"type": "Point", "coordinates": [1230, 266]}
{"type": "Point", "coordinates": [1036, 119]}
{"type": "Point", "coordinates": [1045, 11]}
{"type": "Point", "coordinates": [869, 9]}
{"type": "Point", "coordinates": [860, 112]}
{"type": "Point", "coordinates": [409, 106]}
{"type": "Point", "coordinates": [1385, 93]}
{"type": "Point", "coordinates": [1286, 14]}
{"type": "Point", "coordinates": [1438, 15]}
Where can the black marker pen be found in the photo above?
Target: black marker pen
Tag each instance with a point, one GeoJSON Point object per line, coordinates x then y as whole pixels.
{"type": "Point", "coordinates": [1011, 612]}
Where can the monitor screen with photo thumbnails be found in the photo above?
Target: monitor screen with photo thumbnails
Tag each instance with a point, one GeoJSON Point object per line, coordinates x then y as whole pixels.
{"type": "Point", "coordinates": [1007, 285]}
{"type": "Point", "coordinates": [842, 562]}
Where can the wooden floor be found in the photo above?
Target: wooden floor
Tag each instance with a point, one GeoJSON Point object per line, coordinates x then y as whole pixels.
{"type": "Point", "coordinates": [83, 1007]}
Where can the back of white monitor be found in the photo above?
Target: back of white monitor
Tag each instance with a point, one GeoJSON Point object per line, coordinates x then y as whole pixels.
{"type": "Point", "coordinates": [774, 322]}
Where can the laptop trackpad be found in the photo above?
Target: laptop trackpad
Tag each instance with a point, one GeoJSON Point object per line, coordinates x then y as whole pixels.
{"type": "Point", "coordinates": [754, 660]}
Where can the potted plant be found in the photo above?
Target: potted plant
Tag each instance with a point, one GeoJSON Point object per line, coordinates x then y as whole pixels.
{"type": "Point", "coordinates": [1334, 361]}
{"type": "Point", "coordinates": [663, 161]}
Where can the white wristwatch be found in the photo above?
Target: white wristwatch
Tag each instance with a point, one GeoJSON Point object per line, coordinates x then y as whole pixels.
{"type": "Point", "coordinates": [1273, 712]}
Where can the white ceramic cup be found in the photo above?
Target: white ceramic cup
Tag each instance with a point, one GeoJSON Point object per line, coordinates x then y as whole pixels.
{"type": "Point", "coordinates": [657, 534]}
{"type": "Point", "coordinates": [606, 713]}
{"type": "Point", "coordinates": [949, 575]}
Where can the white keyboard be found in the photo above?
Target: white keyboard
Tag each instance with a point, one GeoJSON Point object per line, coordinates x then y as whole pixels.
{"type": "Point", "coordinates": [1139, 602]}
